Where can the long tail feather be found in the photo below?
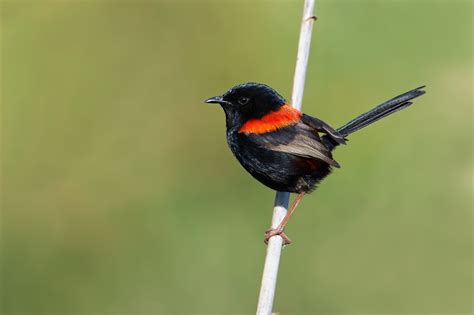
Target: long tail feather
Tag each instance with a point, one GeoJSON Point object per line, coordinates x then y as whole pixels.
{"type": "Point", "coordinates": [383, 110]}
{"type": "Point", "coordinates": [389, 107]}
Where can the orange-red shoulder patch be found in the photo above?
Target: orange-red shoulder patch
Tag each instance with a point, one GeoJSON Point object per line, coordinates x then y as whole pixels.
{"type": "Point", "coordinates": [284, 116]}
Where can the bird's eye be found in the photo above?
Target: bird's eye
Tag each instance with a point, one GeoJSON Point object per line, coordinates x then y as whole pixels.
{"type": "Point", "coordinates": [243, 100]}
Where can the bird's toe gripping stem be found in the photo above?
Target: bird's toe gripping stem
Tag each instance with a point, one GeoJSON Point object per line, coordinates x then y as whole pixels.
{"type": "Point", "coordinates": [278, 231]}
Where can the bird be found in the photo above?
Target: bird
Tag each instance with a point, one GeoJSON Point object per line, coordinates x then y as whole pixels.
{"type": "Point", "coordinates": [285, 149]}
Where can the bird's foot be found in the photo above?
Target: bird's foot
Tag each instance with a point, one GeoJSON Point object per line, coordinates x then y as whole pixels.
{"type": "Point", "coordinates": [278, 231]}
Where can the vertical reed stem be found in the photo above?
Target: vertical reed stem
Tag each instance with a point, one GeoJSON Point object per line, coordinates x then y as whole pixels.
{"type": "Point", "coordinates": [272, 259]}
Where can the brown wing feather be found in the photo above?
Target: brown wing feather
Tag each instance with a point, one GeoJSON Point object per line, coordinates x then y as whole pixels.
{"type": "Point", "coordinates": [299, 139]}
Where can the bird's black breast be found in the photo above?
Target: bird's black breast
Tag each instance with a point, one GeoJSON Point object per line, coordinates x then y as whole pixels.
{"type": "Point", "coordinates": [277, 170]}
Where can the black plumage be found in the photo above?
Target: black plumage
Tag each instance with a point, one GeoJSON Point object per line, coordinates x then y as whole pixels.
{"type": "Point", "coordinates": [281, 147]}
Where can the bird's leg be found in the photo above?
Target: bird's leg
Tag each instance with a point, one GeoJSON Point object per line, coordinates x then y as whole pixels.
{"type": "Point", "coordinates": [279, 229]}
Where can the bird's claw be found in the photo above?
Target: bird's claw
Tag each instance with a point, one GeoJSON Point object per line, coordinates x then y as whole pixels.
{"type": "Point", "coordinates": [272, 232]}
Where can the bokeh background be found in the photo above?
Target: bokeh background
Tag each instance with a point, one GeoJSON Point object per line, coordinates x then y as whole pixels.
{"type": "Point", "coordinates": [120, 196]}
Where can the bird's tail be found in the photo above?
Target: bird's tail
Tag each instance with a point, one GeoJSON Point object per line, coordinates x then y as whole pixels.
{"type": "Point", "coordinates": [385, 109]}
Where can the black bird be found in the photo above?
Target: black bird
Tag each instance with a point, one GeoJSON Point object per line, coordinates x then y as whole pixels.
{"type": "Point", "coordinates": [282, 147]}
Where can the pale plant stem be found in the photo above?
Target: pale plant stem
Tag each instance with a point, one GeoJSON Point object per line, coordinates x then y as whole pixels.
{"type": "Point", "coordinates": [272, 259]}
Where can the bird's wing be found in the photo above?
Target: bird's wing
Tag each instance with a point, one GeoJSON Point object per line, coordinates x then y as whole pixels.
{"type": "Point", "coordinates": [298, 139]}
{"type": "Point", "coordinates": [323, 127]}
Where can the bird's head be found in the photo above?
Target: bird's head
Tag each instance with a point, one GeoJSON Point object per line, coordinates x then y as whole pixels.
{"type": "Point", "coordinates": [248, 101]}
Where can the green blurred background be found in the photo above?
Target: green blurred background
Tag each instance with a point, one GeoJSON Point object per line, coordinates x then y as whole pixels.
{"type": "Point", "coordinates": [119, 194]}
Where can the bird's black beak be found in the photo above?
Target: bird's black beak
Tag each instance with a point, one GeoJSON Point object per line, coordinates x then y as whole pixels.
{"type": "Point", "coordinates": [215, 99]}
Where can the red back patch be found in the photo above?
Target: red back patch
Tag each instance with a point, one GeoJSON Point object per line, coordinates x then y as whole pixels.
{"type": "Point", "coordinates": [284, 116]}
